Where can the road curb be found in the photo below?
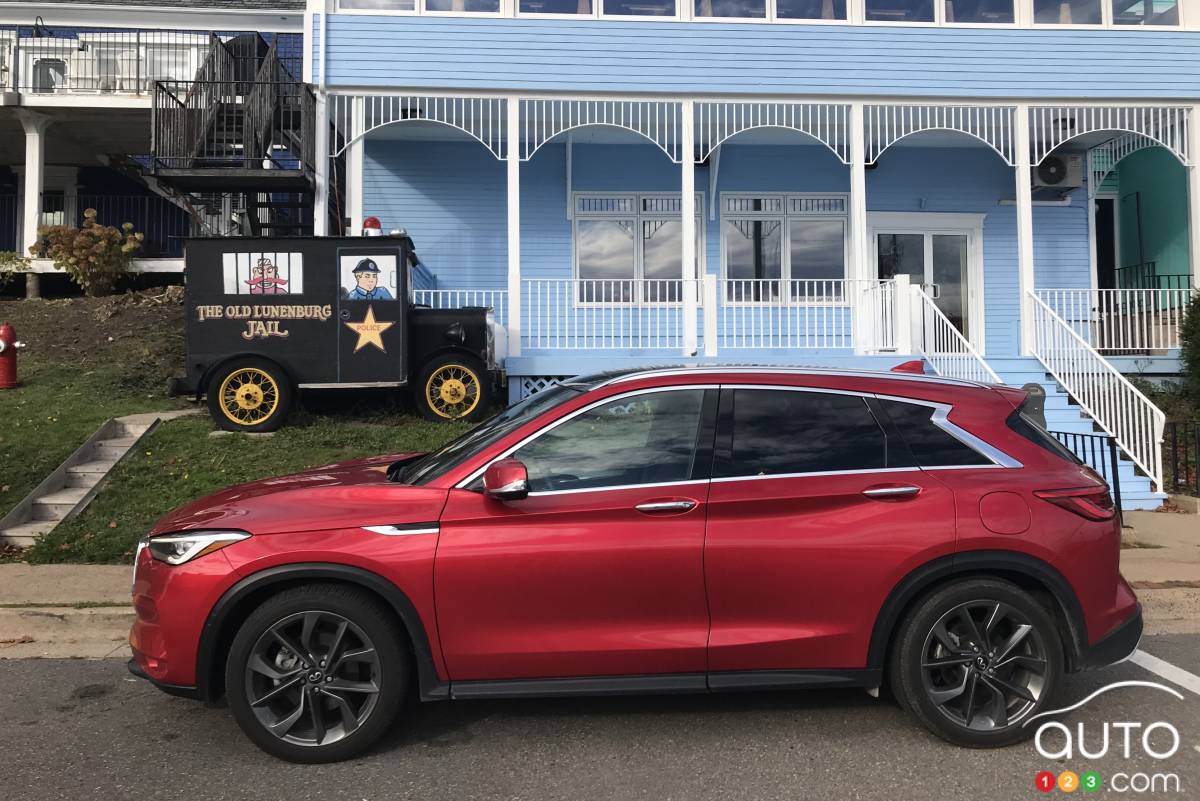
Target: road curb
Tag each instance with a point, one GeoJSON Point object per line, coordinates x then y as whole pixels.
{"type": "Point", "coordinates": [64, 632]}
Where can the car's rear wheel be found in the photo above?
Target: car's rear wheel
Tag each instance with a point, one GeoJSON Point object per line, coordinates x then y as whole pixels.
{"type": "Point", "coordinates": [317, 673]}
{"type": "Point", "coordinates": [976, 659]}
{"type": "Point", "coordinates": [250, 395]}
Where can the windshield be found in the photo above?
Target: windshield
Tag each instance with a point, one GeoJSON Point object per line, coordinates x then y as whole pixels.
{"type": "Point", "coordinates": [430, 466]}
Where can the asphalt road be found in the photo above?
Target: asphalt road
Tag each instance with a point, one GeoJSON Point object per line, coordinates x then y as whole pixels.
{"type": "Point", "coordinates": [74, 729]}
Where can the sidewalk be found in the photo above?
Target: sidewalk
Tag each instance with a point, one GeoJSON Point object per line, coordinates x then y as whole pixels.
{"type": "Point", "coordinates": [83, 610]}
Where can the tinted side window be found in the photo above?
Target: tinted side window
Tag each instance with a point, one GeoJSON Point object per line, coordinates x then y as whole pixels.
{"type": "Point", "coordinates": [639, 439]}
{"type": "Point", "coordinates": [779, 431]}
{"type": "Point", "coordinates": [931, 446]}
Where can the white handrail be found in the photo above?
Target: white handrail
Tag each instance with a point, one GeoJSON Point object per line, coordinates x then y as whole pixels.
{"type": "Point", "coordinates": [592, 314]}
{"type": "Point", "coordinates": [1122, 319]}
{"type": "Point", "coordinates": [1116, 405]}
{"type": "Point", "coordinates": [948, 352]}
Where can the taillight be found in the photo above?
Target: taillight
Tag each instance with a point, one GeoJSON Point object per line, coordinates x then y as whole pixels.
{"type": "Point", "coordinates": [1093, 503]}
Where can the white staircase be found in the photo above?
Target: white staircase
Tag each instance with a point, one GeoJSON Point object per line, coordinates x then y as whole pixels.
{"type": "Point", "coordinates": [1063, 415]}
{"type": "Point", "coordinates": [72, 485]}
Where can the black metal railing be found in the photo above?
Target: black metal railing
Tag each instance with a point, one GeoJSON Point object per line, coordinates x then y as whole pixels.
{"type": "Point", "coordinates": [1145, 276]}
{"type": "Point", "coordinates": [163, 224]}
{"type": "Point", "coordinates": [1181, 456]}
{"type": "Point", "coordinates": [1099, 452]}
{"type": "Point", "coordinates": [10, 229]}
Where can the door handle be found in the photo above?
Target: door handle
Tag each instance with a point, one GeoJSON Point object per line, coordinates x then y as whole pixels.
{"type": "Point", "coordinates": [666, 507]}
{"type": "Point", "coordinates": [892, 492]}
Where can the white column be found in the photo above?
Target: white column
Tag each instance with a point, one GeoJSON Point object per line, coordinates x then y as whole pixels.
{"type": "Point", "coordinates": [513, 162]}
{"type": "Point", "coordinates": [1024, 200]}
{"type": "Point", "coordinates": [35, 126]}
{"type": "Point", "coordinates": [687, 212]}
{"type": "Point", "coordinates": [1193, 175]}
{"type": "Point", "coordinates": [321, 178]}
{"type": "Point", "coordinates": [858, 269]}
{"type": "Point", "coordinates": [354, 169]}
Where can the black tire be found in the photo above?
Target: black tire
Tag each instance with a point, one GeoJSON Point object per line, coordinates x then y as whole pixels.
{"type": "Point", "coordinates": [233, 412]}
{"type": "Point", "coordinates": [982, 664]}
{"type": "Point", "coordinates": [352, 716]}
{"type": "Point", "coordinates": [477, 401]}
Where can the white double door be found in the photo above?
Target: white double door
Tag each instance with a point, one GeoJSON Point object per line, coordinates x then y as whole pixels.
{"type": "Point", "coordinates": [942, 253]}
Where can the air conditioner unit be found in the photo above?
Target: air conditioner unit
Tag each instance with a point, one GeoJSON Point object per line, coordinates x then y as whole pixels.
{"type": "Point", "coordinates": [1059, 172]}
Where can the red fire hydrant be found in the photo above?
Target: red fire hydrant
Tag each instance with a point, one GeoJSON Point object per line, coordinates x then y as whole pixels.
{"type": "Point", "coordinates": [8, 356]}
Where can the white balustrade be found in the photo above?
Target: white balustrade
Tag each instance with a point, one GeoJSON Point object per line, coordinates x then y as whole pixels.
{"type": "Point", "coordinates": [1114, 403]}
{"type": "Point", "coordinates": [1122, 320]}
{"type": "Point", "coordinates": [494, 299]}
{"type": "Point", "coordinates": [587, 314]}
{"type": "Point", "coordinates": [942, 345]}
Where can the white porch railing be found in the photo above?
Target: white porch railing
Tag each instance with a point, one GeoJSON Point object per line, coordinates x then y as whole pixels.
{"type": "Point", "coordinates": [1122, 319]}
{"type": "Point", "coordinates": [948, 352]}
{"type": "Point", "coordinates": [582, 314]}
{"type": "Point", "coordinates": [774, 313]}
{"type": "Point", "coordinates": [494, 299]}
{"type": "Point", "coordinates": [1108, 397]}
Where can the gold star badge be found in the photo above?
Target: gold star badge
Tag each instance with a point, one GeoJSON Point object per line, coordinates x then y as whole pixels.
{"type": "Point", "coordinates": [370, 331]}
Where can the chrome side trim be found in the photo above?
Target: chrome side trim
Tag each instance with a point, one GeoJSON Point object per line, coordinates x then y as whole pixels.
{"type": "Point", "coordinates": [513, 449]}
{"type": "Point", "coordinates": [940, 418]}
{"type": "Point", "coordinates": [404, 529]}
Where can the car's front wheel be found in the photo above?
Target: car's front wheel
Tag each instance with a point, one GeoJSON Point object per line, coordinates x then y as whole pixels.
{"type": "Point", "coordinates": [317, 673]}
{"type": "Point", "coordinates": [976, 659]}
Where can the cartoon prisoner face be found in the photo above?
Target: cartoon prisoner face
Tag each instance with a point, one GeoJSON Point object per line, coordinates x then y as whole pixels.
{"type": "Point", "coordinates": [264, 278]}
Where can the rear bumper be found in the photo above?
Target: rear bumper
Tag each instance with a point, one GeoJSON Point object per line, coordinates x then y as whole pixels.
{"type": "Point", "coordinates": [1116, 645]}
{"type": "Point", "coordinates": [180, 690]}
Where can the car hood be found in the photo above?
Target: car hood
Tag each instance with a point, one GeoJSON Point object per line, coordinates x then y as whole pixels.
{"type": "Point", "coordinates": [341, 495]}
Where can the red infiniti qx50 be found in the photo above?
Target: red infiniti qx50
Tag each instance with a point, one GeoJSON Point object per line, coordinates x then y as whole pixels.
{"type": "Point", "coordinates": [675, 530]}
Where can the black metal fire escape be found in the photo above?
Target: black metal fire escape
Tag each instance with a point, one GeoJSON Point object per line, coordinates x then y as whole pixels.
{"type": "Point", "coordinates": [238, 141]}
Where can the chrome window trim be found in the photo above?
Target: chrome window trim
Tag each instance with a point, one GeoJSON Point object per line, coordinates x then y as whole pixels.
{"type": "Point", "coordinates": [474, 475]}
{"type": "Point", "coordinates": [816, 474]}
{"type": "Point", "coordinates": [940, 418]}
{"type": "Point", "coordinates": [689, 482]}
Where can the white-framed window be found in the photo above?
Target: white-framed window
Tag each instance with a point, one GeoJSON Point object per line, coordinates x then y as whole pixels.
{"type": "Point", "coordinates": [628, 247]}
{"type": "Point", "coordinates": [771, 10]}
{"type": "Point", "coordinates": [788, 248]}
{"type": "Point", "coordinates": [1106, 13]}
{"type": "Point", "coordinates": [433, 7]}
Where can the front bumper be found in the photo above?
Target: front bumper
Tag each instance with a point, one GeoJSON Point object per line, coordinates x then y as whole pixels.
{"type": "Point", "coordinates": [1118, 644]}
{"type": "Point", "coordinates": [180, 690]}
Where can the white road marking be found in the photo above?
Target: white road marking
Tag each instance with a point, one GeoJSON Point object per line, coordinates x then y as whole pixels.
{"type": "Point", "coordinates": [1159, 667]}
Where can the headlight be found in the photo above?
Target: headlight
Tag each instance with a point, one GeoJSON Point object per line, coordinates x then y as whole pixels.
{"type": "Point", "coordinates": [175, 549]}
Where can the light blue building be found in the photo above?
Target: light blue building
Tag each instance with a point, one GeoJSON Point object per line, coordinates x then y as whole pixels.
{"type": "Point", "coordinates": [998, 187]}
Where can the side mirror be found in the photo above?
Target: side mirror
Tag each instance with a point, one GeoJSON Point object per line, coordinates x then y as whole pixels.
{"type": "Point", "coordinates": [506, 480]}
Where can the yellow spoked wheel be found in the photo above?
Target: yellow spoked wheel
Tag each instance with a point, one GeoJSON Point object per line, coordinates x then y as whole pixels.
{"type": "Point", "coordinates": [453, 391]}
{"type": "Point", "coordinates": [249, 396]}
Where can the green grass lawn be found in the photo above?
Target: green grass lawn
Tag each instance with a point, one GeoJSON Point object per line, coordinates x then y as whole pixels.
{"type": "Point", "coordinates": [91, 359]}
{"type": "Point", "coordinates": [179, 461]}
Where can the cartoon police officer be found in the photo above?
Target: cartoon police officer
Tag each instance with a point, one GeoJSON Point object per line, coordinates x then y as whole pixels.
{"type": "Point", "coordinates": [366, 276]}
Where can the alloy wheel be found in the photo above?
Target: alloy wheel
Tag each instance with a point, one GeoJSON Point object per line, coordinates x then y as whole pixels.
{"type": "Point", "coordinates": [313, 678]}
{"type": "Point", "coordinates": [984, 665]}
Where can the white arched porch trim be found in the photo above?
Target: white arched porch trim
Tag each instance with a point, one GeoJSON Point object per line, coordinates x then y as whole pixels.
{"type": "Point", "coordinates": [1052, 126]}
{"type": "Point", "coordinates": [355, 116]}
{"type": "Point", "coordinates": [888, 124]}
{"type": "Point", "coordinates": [717, 122]}
{"type": "Point", "coordinates": [1104, 158]}
{"type": "Point", "coordinates": [660, 121]}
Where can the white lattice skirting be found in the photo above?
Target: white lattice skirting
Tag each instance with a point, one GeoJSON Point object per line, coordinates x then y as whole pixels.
{"type": "Point", "coordinates": [533, 384]}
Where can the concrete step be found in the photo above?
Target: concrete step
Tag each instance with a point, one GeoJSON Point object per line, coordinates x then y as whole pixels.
{"type": "Point", "coordinates": [67, 495]}
{"type": "Point", "coordinates": [82, 479]}
{"type": "Point", "coordinates": [24, 534]}
{"type": "Point", "coordinates": [97, 467]}
{"type": "Point", "coordinates": [112, 448]}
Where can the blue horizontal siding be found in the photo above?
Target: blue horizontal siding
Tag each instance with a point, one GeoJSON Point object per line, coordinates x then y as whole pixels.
{"type": "Point", "coordinates": [451, 197]}
{"type": "Point", "coordinates": [700, 57]}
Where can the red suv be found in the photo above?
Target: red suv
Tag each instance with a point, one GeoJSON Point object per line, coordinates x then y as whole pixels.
{"type": "Point", "coordinates": [673, 530]}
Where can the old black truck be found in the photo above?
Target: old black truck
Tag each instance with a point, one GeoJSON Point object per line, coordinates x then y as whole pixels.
{"type": "Point", "coordinates": [267, 318]}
